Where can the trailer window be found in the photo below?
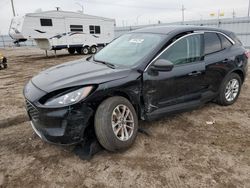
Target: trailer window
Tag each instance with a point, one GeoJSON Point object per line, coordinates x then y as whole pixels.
{"type": "Point", "coordinates": [76, 28]}
{"type": "Point", "coordinates": [46, 22]}
{"type": "Point", "coordinates": [94, 29]}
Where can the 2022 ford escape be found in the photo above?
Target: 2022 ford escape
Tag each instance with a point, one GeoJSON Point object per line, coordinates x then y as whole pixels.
{"type": "Point", "coordinates": [145, 74]}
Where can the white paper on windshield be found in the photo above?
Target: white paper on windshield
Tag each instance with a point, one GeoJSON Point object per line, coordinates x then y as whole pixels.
{"type": "Point", "coordinates": [137, 41]}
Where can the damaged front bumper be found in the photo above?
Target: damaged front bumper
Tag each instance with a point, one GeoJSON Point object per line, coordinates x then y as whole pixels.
{"type": "Point", "coordinates": [64, 126]}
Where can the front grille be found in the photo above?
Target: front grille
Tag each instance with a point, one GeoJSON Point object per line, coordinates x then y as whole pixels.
{"type": "Point", "coordinates": [32, 111]}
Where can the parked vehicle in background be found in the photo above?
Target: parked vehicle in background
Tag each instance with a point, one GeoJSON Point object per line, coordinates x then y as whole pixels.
{"type": "Point", "coordinates": [3, 62]}
{"type": "Point", "coordinates": [143, 75]}
{"type": "Point", "coordinates": [56, 30]}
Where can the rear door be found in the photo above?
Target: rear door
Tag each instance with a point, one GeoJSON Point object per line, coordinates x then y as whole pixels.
{"type": "Point", "coordinates": [181, 85]}
{"type": "Point", "coordinates": [218, 59]}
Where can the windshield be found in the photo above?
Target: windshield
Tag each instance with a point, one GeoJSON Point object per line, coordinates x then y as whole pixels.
{"type": "Point", "coordinates": [129, 49]}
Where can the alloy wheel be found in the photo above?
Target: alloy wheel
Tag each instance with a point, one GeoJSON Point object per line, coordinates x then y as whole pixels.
{"type": "Point", "coordinates": [122, 122]}
{"type": "Point", "coordinates": [232, 90]}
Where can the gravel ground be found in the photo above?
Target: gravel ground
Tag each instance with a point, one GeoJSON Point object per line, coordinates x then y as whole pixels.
{"type": "Point", "coordinates": [181, 151]}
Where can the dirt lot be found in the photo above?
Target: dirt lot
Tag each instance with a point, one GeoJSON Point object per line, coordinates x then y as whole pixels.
{"type": "Point", "coordinates": [182, 151]}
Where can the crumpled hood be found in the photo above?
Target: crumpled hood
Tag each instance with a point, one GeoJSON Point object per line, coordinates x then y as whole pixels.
{"type": "Point", "coordinates": [76, 73]}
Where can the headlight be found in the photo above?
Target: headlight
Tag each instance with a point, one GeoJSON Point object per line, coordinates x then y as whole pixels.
{"type": "Point", "coordinates": [69, 98]}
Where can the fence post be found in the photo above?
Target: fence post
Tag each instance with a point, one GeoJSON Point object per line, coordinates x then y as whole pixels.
{"type": "Point", "coordinates": [3, 41]}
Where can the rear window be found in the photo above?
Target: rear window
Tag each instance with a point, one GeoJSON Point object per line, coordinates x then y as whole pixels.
{"type": "Point", "coordinates": [225, 43]}
{"type": "Point", "coordinates": [235, 38]}
{"type": "Point", "coordinates": [212, 43]}
{"type": "Point", "coordinates": [46, 22]}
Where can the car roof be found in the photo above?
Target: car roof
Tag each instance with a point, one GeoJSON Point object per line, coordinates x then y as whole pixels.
{"type": "Point", "coordinates": [176, 29]}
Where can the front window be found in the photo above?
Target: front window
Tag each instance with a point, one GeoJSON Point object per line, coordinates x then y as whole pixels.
{"type": "Point", "coordinates": [129, 49]}
{"type": "Point", "coordinates": [46, 22]}
{"type": "Point", "coordinates": [186, 50]}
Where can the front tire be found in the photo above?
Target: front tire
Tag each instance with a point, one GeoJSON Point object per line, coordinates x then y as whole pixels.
{"type": "Point", "coordinates": [116, 124]}
{"type": "Point", "coordinates": [229, 90]}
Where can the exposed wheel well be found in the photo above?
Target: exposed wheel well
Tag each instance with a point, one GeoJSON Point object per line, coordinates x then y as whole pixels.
{"type": "Point", "coordinates": [240, 73]}
{"type": "Point", "coordinates": [122, 94]}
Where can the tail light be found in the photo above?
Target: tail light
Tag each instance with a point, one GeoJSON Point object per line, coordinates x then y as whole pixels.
{"type": "Point", "coordinates": [247, 53]}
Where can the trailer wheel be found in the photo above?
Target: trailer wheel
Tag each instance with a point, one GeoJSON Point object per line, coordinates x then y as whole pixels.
{"type": "Point", "coordinates": [71, 50]}
{"type": "Point", "coordinates": [85, 51]}
{"type": "Point", "coordinates": [93, 49]}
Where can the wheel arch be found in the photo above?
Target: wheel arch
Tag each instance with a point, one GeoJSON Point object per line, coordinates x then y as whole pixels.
{"type": "Point", "coordinates": [240, 73]}
{"type": "Point", "coordinates": [86, 46]}
{"type": "Point", "coordinates": [129, 98]}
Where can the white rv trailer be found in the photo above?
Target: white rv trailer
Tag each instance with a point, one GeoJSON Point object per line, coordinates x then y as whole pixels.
{"type": "Point", "coordinates": [56, 30]}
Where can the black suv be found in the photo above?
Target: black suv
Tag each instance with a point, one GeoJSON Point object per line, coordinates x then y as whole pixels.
{"type": "Point", "coordinates": [145, 74]}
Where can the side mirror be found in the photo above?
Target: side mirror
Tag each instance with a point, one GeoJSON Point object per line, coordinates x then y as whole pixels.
{"type": "Point", "coordinates": [163, 65]}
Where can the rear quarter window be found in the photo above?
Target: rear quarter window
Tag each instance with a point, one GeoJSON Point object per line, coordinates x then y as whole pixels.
{"type": "Point", "coordinates": [225, 43]}
{"type": "Point", "coordinates": [235, 38]}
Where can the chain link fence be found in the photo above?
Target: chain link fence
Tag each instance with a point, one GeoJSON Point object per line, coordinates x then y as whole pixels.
{"type": "Point", "coordinates": [7, 41]}
{"type": "Point", "coordinates": [240, 26]}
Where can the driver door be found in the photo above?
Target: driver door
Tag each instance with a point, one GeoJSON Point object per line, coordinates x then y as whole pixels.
{"type": "Point", "coordinates": [168, 91]}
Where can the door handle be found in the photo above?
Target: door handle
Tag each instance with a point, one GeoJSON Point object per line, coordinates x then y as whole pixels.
{"type": "Point", "coordinates": [194, 73]}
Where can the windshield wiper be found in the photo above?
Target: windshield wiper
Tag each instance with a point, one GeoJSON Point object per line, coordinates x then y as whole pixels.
{"type": "Point", "coordinates": [105, 63]}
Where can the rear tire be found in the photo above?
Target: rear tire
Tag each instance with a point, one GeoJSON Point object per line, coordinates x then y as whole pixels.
{"type": "Point", "coordinates": [112, 117]}
{"type": "Point", "coordinates": [93, 49]}
{"type": "Point", "coordinates": [229, 90]}
{"type": "Point", "coordinates": [85, 51]}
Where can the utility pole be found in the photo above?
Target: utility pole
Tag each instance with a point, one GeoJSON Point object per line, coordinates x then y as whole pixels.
{"type": "Point", "coordinates": [233, 14]}
{"type": "Point", "coordinates": [182, 10]}
{"type": "Point", "coordinates": [218, 16]}
{"type": "Point", "coordinates": [137, 19]}
{"type": "Point", "coordinates": [13, 9]}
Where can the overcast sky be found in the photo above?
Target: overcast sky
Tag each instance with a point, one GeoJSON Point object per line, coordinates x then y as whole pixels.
{"type": "Point", "coordinates": [128, 12]}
